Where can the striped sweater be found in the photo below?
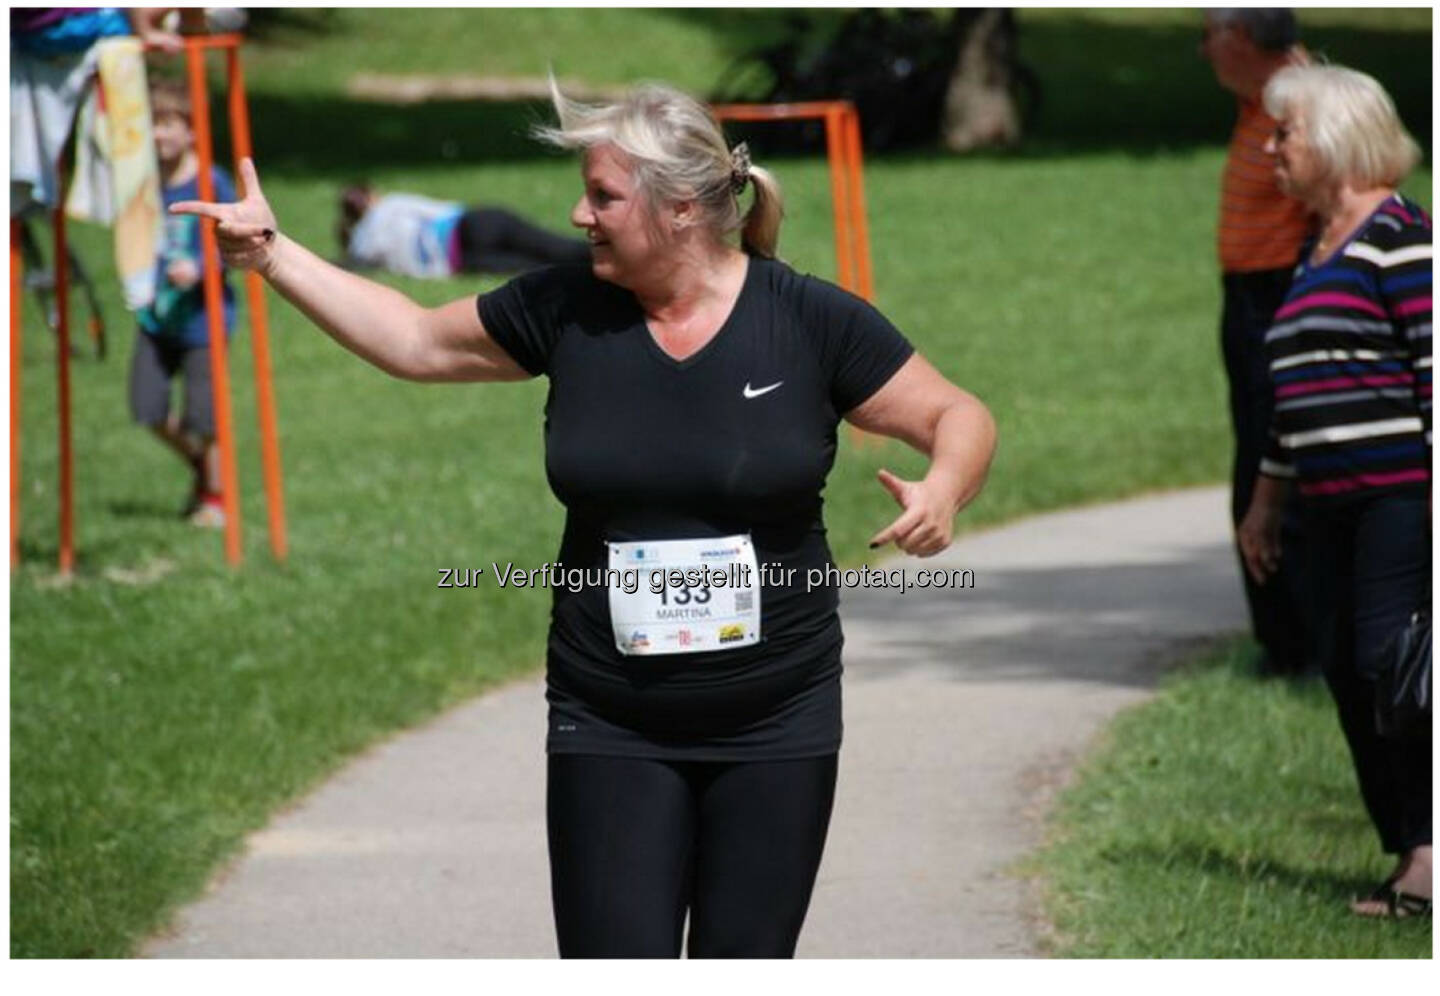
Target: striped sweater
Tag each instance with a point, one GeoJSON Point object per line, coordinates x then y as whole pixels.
{"type": "Point", "coordinates": [1350, 363]}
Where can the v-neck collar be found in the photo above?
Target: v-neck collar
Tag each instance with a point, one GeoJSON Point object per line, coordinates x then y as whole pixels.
{"type": "Point", "coordinates": [653, 345]}
{"type": "Point", "coordinates": [1359, 230]}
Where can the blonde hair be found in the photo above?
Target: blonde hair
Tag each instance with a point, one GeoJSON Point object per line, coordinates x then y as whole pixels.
{"type": "Point", "coordinates": [1350, 123]}
{"type": "Point", "coordinates": [678, 153]}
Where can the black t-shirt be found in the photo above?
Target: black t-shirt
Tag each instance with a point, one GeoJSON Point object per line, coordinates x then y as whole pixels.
{"type": "Point", "coordinates": [737, 438]}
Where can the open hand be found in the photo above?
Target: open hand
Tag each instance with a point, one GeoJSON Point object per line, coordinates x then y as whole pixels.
{"type": "Point", "coordinates": [245, 230]}
{"type": "Point", "coordinates": [928, 523]}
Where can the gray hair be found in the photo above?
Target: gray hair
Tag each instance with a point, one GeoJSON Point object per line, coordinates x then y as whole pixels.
{"type": "Point", "coordinates": [678, 152]}
{"type": "Point", "coordinates": [1350, 122]}
{"type": "Point", "coordinates": [1270, 28]}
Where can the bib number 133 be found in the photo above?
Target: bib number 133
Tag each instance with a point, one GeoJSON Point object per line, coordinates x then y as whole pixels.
{"type": "Point", "coordinates": [693, 596]}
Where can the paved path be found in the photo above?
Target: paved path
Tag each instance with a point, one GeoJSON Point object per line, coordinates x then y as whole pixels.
{"type": "Point", "coordinates": [962, 711]}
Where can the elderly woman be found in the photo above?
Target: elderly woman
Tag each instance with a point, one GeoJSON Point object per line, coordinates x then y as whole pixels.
{"type": "Point", "coordinates": [1350, 364]}
{"type": "Point", "coordinates": [695, 391]}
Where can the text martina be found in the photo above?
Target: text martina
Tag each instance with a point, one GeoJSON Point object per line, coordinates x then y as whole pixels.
{"type": "Point", "coordinates": [629, 580]}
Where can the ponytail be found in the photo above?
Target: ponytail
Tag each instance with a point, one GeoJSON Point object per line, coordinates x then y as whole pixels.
{"type": "Point", "coordinates": [760, 232]}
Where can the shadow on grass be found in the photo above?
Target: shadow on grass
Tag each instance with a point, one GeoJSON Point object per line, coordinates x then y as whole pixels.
{"type": "Point", "coordinates": [1130, 88]}
{"type": "Point", "coordinates": [1203, 859]}
{"type": "Point", "coordinates": [91, 556]}
{"type": "Point", "coordinates": [1328, 826]}
{"type": "Point", "coordinates": [153, 510]}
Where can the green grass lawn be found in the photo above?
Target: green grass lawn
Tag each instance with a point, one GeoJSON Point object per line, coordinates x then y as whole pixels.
{"type": "Point", "coordinates": [1220, 820]}
{"type": "Point", "coordinates": [162, 705]}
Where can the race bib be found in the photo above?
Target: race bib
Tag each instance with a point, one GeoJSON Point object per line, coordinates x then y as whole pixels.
{"type": "Point", "coordinates": [692, 596]}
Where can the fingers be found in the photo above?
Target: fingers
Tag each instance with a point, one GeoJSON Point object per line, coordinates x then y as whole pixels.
{"type": "Point", "coordinates": [914, 533]}
{"type": "Point", "coordinates": [202, 208]}
{"type": "Point", "coordinates": [243, 244]}
{"type": "Point", "coordinates": [1259, 571]}
{"type": "Point", "coordinates": [893, 484]}
{"type": "Point", "coordinates": [253, 207]}
{"type": "Point", "coordinates": [923, 529]}
{"type": "Point", "coordinates": [905, 522]}
{"type": "Point", "coordinates": [1261, 555]}
{"type": "Point", "coordinates": [229, 226]}
{"type": "Point", "coordinates": [900, 527]}
{"type": "Point", "coordinates": [159, 39]}
{"type": "Point", "coordinates": [1252, 564]}
{"type": "Point", "coordinates": [244, 231]}
{"type": "Point", "coordinates": [1269, 559]}
{"type": "Point", "coordinates": [168, 43]}
{"type": "Point", "coordinates": [249, 179]}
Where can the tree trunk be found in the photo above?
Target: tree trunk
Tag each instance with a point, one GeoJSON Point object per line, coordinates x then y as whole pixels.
{"type": "Point", "coordinates": [980, 107]}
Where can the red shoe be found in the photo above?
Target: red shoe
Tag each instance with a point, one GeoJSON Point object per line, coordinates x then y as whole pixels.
{"type": "Point", "coordinates": [210, 512]}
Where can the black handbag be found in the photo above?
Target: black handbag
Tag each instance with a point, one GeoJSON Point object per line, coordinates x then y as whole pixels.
{"type": "Point", "coordinates": [1404, 686]}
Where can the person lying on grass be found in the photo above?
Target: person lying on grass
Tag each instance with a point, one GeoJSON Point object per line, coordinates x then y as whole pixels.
{"type": "Point", "coordinates": [423, 237]}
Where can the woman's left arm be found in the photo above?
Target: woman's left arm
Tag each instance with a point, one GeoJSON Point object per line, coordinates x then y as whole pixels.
{"type": "Point", "coordinates": [950, 426]}
{"type": "Point", "coordinates": [1405, 277]}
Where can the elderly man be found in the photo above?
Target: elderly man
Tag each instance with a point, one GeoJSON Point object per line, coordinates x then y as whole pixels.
{"type": "Point", "coordinates": [1260, 236]}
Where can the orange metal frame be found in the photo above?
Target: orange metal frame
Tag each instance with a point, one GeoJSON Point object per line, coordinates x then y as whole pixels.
{"type": "Point", "coordinates": [195, 49]}
{"type": "Point", "coordinates": [847, 190]}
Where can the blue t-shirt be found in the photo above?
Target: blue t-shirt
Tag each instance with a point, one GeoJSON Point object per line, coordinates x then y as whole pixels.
{"type": "Point", "coordinates": [178, 314]}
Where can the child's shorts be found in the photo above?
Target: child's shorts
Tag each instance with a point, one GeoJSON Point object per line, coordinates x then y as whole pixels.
{"type": "Point", "coordinates": [154, 366]}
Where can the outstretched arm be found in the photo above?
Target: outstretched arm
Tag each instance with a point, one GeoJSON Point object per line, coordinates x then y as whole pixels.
{"type": "Point", "coordinates": [950, 426]}
{"type": "Point", "coordinates": [375, 322]}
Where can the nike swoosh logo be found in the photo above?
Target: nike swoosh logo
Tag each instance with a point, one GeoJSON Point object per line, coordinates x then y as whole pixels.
{"type": "Point", "coordinates": [749, 393]}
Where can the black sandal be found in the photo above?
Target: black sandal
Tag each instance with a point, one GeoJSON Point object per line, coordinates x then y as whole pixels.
{"type": "Point", "coordinates": [1399, 905]}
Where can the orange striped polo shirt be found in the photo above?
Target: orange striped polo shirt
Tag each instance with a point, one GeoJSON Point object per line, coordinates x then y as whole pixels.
{"type": "Point", "coordinates": [1260, 227]}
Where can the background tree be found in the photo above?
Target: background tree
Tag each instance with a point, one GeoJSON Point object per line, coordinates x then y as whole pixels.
{"type": "Point", "coordinates": [987, 83]}
{"type": "Point", "coordinates": [918, 77]}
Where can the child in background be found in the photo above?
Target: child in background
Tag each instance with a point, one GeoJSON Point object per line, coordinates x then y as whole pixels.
{"type": "Point", "coordinates": [173, 338]}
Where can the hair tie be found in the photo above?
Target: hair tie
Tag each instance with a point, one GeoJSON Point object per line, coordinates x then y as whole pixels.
{"type": "Point", "coordinates": [739, 167]}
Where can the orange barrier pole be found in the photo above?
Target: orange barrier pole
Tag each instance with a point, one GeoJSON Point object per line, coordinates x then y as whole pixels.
{"type": "Point", "coordinates": [259, 328]}
{"type": "Point", "coordinates": [859, 230]}
{"type": "Point", "coordinates": [777, 112]}
{"type": "Point", "coordinates": [219, 367]}
{"type": "Point", "coordinates": [842, 144]}
{"type": "Point", "coordinates": [846, 129]}
{"type": "Point", "coordinates": [835, 152]}
{"type": "Point", "coordinates": [17, 283]}
{"type": "Point", "coordinates": [202, 42]}
{"type": "Point", "coordinates": [67, 457]}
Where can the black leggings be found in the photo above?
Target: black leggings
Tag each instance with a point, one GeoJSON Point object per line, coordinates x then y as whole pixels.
{"type": "Point", "coordinates": [1370, 566]}
{"type": "Point", "coordinates": [493, 240]}
{"type": "Point", "coordinates": [635, 843]}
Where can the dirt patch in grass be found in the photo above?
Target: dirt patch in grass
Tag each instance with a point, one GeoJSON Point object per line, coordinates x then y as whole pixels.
{"type": "Point", "coordinates": [415, 89]}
